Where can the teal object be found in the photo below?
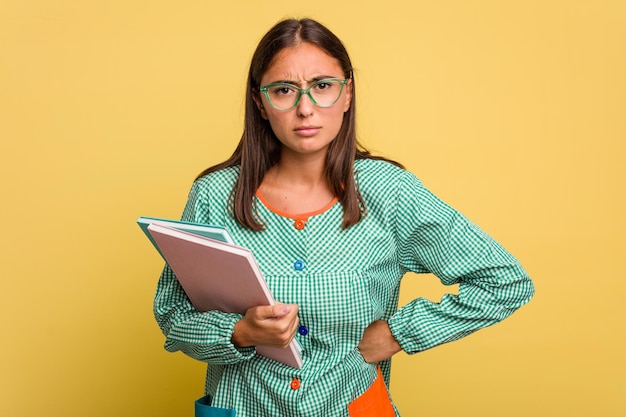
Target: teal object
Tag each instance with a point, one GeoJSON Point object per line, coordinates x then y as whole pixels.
{"type": "Point", "coordinates": [212, 232]}
{"type": "Point", "coordinates": [204, 409]}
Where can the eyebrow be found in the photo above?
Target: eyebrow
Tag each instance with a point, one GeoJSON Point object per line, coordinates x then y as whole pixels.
{"type": "Point", "coordinates": [310, 81]}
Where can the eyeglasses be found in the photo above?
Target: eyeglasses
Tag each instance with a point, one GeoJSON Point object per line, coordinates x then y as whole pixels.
{"type": "Point", "coordinates": [285, 96]}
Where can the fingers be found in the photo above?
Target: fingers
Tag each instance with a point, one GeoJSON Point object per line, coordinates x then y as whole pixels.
{"type": "Point", "coordinates": [378, 343]}
{"type": "Point", "coordinates": [284, 323]}
{"type": "Point", "coordinates": [267, 325]}
{"type": "Point", "coordinates": [286, 332]}
{"type": "Point", "coordinates": [276, 311]}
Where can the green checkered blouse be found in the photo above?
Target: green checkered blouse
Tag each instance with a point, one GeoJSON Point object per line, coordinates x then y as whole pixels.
{"type": "Point", "coordinates": [342, 280]}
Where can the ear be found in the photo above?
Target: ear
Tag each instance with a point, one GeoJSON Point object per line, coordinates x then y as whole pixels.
{"type": "Point", "coordinates": [256, 96]}
{"type": "Point", "coordinates": [348, 95]}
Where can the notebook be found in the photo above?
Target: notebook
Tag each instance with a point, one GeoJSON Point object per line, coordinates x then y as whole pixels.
{"type": "Point", "coordinates": [218, 275]}
{"type": "Point", "coordinates": [213, 232]}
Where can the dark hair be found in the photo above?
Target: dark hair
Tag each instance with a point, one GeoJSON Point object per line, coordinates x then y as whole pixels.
{"type": "Point", "coordinates": [259, 149]}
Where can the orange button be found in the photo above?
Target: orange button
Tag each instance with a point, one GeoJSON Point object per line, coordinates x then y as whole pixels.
{"type": "Point", "coordinates": [295, 383]}
{"type": "Point", "coordinates": [299, 224]}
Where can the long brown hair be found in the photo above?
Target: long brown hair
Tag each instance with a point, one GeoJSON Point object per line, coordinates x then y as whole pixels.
{"type": "Point", "coordinates": [259, 149]}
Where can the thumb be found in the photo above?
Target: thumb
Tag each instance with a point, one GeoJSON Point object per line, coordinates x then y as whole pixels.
{"type": "Point", "coordinates": [280, 310]}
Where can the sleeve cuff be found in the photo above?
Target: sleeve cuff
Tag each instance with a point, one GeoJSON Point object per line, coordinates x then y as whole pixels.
{"type": "Point", "coordinates": [397, 326]}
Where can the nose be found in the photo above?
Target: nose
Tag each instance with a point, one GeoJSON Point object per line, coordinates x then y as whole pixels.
{"type": "Point", "coordinates": [305, 106]}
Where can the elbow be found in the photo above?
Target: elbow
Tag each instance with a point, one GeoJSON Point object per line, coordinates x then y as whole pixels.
{"type": "Point", "coordinates": [522, 287]}
{"type": "Point", "coordinates": [516, 294]}
{"type": "Point", "coordinates": [502, 297]}
{"type": "Point", "coordinates": [528, 290]}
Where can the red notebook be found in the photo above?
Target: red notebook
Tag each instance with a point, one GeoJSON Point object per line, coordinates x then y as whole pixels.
{"type": "Point", "coordinates": [219, 276]}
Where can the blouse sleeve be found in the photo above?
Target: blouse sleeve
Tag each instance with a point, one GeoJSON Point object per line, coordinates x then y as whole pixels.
{"type": "Point", "coordinates": [433, 237]}
{"type": "Point", "coordinates": [203, 336]}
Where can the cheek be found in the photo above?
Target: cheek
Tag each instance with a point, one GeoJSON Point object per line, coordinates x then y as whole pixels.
{"type": "Point", "coordinates": [338, 117]}
{"type": "Point", "coordinates": [278, 122]}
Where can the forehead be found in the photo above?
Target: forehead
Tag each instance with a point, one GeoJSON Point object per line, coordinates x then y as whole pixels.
{"type": "Point", "coordinates": [302, 62]}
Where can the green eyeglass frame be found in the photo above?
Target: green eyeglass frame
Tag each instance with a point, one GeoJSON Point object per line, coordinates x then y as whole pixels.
{"type": "Point", "coordinates": [265, 90]}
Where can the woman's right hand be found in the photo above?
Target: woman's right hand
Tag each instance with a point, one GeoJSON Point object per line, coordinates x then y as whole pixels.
{"type": "Point", "coordinates": [273, 326]}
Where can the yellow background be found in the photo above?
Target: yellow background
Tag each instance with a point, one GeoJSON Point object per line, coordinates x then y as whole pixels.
{"type": "Point", "coordinates": [512, 111]}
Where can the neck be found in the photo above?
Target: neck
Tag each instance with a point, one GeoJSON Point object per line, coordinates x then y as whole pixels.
{"type": "Point", "coordinates": [297, 184]}
{"type": "Point", "coordinates": [299, 170]}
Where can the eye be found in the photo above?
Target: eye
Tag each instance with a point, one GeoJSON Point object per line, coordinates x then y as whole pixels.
{"type": "Point", "coordinates": [324, 85]}
{"type": "Point", "coordinates": [283, 90]}
{"type": "Point", "coordinates": [327, 87]}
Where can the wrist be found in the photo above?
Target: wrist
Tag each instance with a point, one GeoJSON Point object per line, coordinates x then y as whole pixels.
{"type": "Point", "coordinates": [239, 337]}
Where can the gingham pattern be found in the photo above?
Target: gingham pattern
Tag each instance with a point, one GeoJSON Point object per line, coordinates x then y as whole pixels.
{"type": "Point", "coordinates": [350, 278]}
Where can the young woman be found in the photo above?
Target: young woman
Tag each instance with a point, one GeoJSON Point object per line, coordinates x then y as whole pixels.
{"type": "Point", "coordinates": [334, 230]}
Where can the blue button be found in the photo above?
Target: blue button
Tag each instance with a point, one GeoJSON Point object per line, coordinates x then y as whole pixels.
{"type": "Point", "coordinates": [303, 330]}
{"type": "Point", "coordinates": [298, 265]}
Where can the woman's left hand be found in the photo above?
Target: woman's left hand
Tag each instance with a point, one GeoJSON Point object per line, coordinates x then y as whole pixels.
{"type": "Point", "coordinates": [377, 343]}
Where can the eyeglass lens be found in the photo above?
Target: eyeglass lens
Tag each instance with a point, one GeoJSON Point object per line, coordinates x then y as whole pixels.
{"type": "Point", "coordinates": [324, 93]}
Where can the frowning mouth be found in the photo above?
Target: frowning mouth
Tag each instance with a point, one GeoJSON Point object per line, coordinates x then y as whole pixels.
{"type": "Point", "coordinates": [307, 130]}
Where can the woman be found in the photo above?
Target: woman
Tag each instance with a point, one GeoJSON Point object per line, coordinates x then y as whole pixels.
{"type": "Point", "coordinates": [334, 230]}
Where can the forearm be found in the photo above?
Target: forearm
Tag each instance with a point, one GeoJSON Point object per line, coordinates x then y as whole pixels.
{"type": "Point", "coordinates": [202, 336]}
{"type": "Point", "coordinates": [481, 302]}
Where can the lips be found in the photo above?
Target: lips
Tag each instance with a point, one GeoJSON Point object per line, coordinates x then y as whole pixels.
{"type": "Point", "coordinates": [307, 130]}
